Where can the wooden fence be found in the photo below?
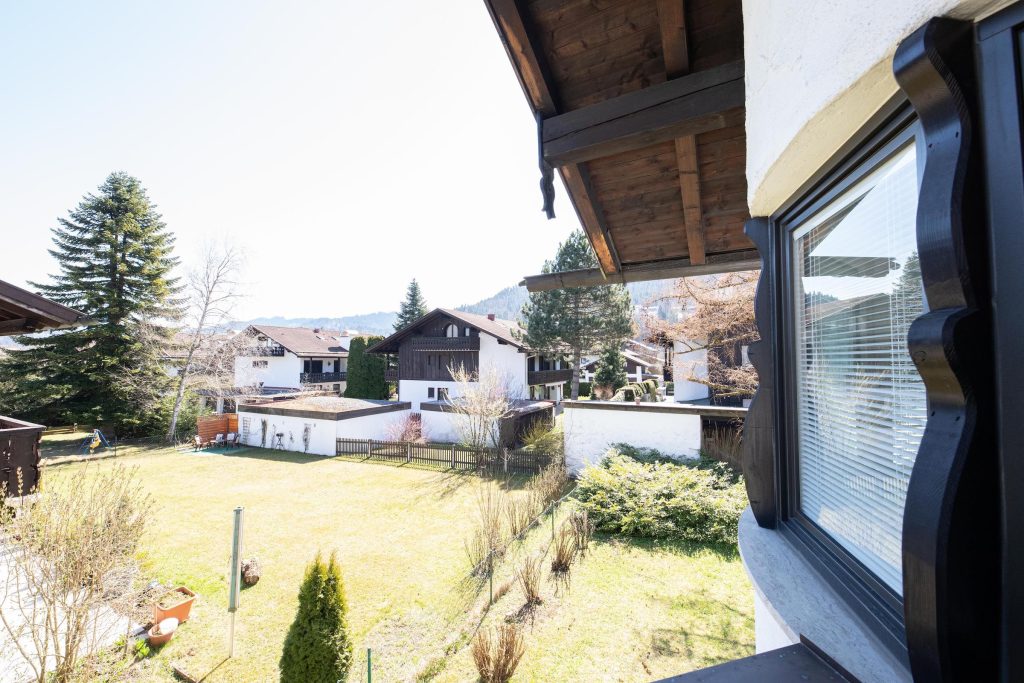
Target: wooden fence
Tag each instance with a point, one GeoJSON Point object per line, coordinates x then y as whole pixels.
{"type": "Point", "coordinates": [445, 456]}
{"type": "Point", "coordinates": [209, 426]}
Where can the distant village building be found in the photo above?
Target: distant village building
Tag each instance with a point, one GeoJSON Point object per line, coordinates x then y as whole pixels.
{"type": "Point", "coordinates": [276, 359]}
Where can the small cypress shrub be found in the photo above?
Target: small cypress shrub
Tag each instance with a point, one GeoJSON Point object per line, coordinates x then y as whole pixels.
{"type": "Point", "coordinates": [318, 647]}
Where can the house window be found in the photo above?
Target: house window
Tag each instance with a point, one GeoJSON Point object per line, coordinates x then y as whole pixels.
{"type": "Point", "coordinates": [452, 330]}
{"type": "Point", "coordinates": [259, 363]}
{"type": "Point", "coordinates": [430, 392]}
{"type": "Point", "coordinates": [442, 393]}
{"type": "Point", "coordinates": [857, 407]}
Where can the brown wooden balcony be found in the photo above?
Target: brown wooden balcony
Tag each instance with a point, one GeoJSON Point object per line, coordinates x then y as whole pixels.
{"type": "Point", "coordinates": [445, 343]}
{"type": "Point", "coordinates": [549, 376]}
{"type": "Point", "coordinates": [321, 377]}
{"type": "Point", "coordinates": [19, 450]}
{"type": "Point", "coordinates": [391, 375]}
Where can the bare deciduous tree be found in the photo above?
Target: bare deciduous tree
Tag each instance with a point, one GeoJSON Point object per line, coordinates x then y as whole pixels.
{"type": "Point", "coordinates": [213, 289]}
{"type": "Point", "coordinates": [482, 400]}
{"type": "Point", "coordinates": [70, 569]}
{"type": "Point", "coordinates": [719, 315]}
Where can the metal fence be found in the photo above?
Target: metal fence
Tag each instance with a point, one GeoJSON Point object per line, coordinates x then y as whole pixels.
{"type": "Point", "coordinates": [445, 456]}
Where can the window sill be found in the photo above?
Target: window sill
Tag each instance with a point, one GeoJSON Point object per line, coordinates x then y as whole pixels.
{"type": "Point", "coordinates": [792, 600]}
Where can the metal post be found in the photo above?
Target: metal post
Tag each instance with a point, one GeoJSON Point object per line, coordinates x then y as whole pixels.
{"type": "Point", "coordinates": [552, 521]}
{"type": "Point", "coordinates": [236, 577]}
{"type": "Point", "coordinates": [490, 572]}
{"type": "Point", "coordinates": [408, 453]}
{"type": "Point", "coordinates": [369, 665]}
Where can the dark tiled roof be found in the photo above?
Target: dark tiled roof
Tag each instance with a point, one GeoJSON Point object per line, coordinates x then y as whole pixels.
{"type": "Point", "coordinates": [504, 330]}
{"type": "Point", "coordinates": [303, 341]}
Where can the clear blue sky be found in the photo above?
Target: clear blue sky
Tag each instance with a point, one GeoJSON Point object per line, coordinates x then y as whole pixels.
{"type": "Point", "coordinates": [346, 146]}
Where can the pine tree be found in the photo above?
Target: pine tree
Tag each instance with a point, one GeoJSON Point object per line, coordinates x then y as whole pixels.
{"type": "Point", "coordinates": [318, 647]}
{"type": "Point", "coordinates": [611, 369]}
{"type": "Point", "coordinates": [365, 374]}
{"type": "Point", "coordinates": [413, 308]}
{"type": "Point", "coordinates": [115, 259]}
{"type": "Point", "coordinates": [576, 320]}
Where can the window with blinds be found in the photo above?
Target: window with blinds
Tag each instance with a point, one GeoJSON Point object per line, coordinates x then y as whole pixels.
{"type": "Point", "coordinates": [861, 403]}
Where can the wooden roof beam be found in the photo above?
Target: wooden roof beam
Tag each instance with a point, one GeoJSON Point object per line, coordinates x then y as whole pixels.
{"type": "Point", "coordinates": [672, 22]}
{"type": "Point", "coordinates": [577, 180]}
{"type": "Point", "coordinates": [658, 270]}
{"type": "Point", "coordinates": [531, 69]}
{"type": "Point", "coordinates": [695, 103]}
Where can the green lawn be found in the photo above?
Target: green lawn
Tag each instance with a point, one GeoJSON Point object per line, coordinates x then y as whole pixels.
{"type": "Point", "coordinates": [634, 610]}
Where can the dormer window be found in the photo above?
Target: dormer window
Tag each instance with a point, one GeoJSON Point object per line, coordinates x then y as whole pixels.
{"type": "Point", "coordinates": [452, 330]}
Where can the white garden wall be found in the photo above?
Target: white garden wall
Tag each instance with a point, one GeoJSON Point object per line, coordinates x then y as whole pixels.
{"type": "Point", "coordinates": [378, 427]}
{"type": "Point", "coordinates": [321, 439]}
{"type": "Point", "coordinates": [591, 426]}
{"type": "Point", "coordinates": [685, 365]}
{"type": "Point", "coordinates": [438, 426]}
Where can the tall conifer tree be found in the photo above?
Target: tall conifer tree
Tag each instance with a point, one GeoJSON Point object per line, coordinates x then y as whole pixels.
{"type": "Point", "coordinates": [576, 320]}
{"type": "Point", "coordinates": [115, 261]}
{"type": "Point", "coordinates": [414, 306]}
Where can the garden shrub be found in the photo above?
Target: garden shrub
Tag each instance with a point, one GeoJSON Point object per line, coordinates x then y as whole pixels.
{"type": "Point", "coordinates": [318, 647]}
{"type": "Point", "coordinates": [643, 493]}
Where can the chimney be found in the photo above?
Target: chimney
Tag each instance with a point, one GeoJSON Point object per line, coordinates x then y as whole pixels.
{"type": "Point", "coordinates": [490, 316]}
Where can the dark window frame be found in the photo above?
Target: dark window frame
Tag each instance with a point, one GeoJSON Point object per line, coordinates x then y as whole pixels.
{"type": "Point", "coordinates": [875, 602]}
{"type": "Point", "coordinates": [430, 392]}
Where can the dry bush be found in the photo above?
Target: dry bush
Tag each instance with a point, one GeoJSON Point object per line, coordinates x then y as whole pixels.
{"type": "Point", "coordinates": [520, 511]}
{"type": "Point", "coordinates": [407, 428]}
{"type": "Point", "coordinates": [489, 535]}
{"type": "Point", "coordinates": [528, 577]}
{"type": "Point", "coordinates": [724, 443]}
{"type": "Point", "coordinates": [497, 654]}
{"type": "Point", "coordinates": [549, 483]}
{"type": "Point", "coordinates": [563, 550]}
{"type": "Point", "coordinates": [503, 589]}
{"type": "Point", "coordinates": [70, 568]}
{"type": "Point", "coordinates": [582, 530]}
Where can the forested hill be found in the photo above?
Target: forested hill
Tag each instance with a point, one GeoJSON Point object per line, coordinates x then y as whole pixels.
{"type": "Point", "coordinates": [508, 302]}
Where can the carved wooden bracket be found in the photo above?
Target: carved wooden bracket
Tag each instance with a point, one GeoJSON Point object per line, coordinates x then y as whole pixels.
{"type": "Point", "coordinates": [950, 525]}
{"type": "Point", "coordinates": [759, 425]}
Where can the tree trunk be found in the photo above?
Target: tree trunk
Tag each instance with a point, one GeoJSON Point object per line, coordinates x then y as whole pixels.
{"type": "Point", "coordinates": [179, 395]}
{"type": "Point", "coordinates": [576, 362]}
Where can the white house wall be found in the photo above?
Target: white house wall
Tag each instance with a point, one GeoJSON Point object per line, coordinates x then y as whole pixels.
{"type": "Point", "coordinates": [507, 361]}
{"type": "Point", "coordinates": [378, 427]}
{"type": "Point", "coordinates": [415, 390]}
{"type": "Point", "coordinates": [687, 365]}
{"type": "Point", "coordinates": [590, 431]}
{"type": "Point", "coordinates": [815, 73]}
{"type": "Point", "coordinates": [281, 371]}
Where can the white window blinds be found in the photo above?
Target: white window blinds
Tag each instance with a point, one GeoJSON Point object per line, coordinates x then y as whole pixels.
{"type": "Point", "coordinates": [861, 403]}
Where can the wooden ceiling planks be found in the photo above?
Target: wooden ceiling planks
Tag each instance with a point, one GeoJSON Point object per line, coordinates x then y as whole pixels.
{"type": "Point", "coordinates": [653, 179]}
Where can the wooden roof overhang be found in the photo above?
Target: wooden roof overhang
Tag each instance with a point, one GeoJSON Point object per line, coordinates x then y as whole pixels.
{"type": "Point", "coordinates": [640, 108]}
{"type": "Point", "coordinates": [22, 312]}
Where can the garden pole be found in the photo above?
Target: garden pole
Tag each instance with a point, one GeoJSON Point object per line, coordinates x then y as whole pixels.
{"type": "Point", "coordinates": [236, 577]}
{"type": "Point", "coordinates": [552, 521]}
{"type": "Point", "coordinates": [490, 572]}
{"type": "Point", "coordinates": [369, 665]}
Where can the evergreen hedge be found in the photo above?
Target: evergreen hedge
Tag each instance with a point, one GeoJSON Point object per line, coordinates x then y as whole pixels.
{"type": "Point", "coordinates": [318, 647]}
{"type": "Point", "coordinates": [640, 492]}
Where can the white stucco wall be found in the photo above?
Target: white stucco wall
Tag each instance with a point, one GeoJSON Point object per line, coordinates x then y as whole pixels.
{"type": "Point", "coordinates": [589, 431]}
{"type": "Point", "coordinates": [687, 364]}
{"type": "Point", "coordinates": [439, 426]}
{"type": "Point", "coordinates": [281, 371]}
{"type": "Point", "coordinates": [815, 73]}
{"type": "Point", "coordinates": [323, 433]}
{"type": "Point", "coordinates": [370, 426]}
{"type": "Point", "coordinates": [415, 390]}
{"type": "Point", "coordinates": [321, 438]}
{"type": "Point", "coordinates": [507, 361]}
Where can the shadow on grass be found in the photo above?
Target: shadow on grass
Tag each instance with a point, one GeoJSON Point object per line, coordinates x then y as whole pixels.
{"type": "Point", "coordinates": [669, 546]}
{"type": "Point", "coordinates": [268, 454]}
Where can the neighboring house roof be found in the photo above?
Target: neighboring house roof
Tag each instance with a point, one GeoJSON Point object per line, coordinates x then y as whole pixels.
{"type": "Point", "coordinates": [305, 341]}
{"type": "Point", "coordinates": [22, 312]}
{"type": "Point", "coordinates": [504, 330]}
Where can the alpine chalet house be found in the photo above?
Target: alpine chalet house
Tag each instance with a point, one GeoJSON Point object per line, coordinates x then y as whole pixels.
{"type": "Point", "coordinates": [445, 338]}
{"type": "Point", "coordinates": [867, 158]}
{"type": "Point", "coordinates": [284, 359]}
{"type": "Point", "coordinates": [22, 312]}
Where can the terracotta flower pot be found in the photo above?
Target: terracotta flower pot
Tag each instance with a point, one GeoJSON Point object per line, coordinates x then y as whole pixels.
{"type": "Point", "coordinates": [167, 629]}
{"type": "Point", "coordinates": [179, 610]}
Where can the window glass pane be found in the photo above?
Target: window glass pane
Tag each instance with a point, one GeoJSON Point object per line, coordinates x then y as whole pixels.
{"type": "Point", "coordinates": [861, 402]}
